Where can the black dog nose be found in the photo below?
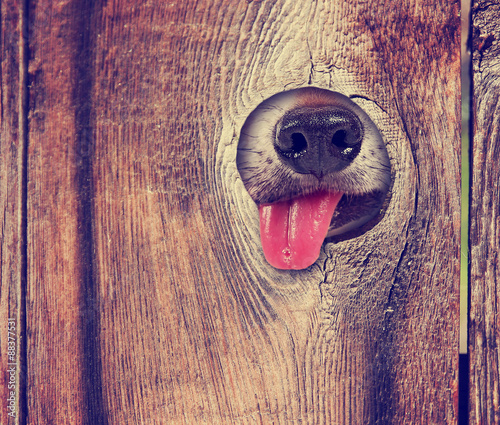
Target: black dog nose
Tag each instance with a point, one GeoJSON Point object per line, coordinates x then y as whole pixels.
{"type": "Point", "coordinates": [318, 141]}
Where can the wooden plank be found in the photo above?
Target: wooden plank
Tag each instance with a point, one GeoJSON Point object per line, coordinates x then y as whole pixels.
{"type": "Point", "coordinates": [189, 305]}
{"type": "Point", "coordinates": [484, 322]}
{"type": "Point", "coordinates": [61, 313]}
{"type": "Point", "coordinates": [12, 233]}
{"type": "Point", "coordinates": [144, 249]}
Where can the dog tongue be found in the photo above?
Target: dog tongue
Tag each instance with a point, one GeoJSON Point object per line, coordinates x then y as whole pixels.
{"type": "Point", "coordinates": [293, 231]}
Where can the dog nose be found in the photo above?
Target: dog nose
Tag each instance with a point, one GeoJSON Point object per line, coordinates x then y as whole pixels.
{"type": "Point", "coordinates": [318, 141]}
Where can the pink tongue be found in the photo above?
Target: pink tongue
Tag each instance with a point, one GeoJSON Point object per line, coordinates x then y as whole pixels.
{"type": "Point", "coordinates": [293, 231]}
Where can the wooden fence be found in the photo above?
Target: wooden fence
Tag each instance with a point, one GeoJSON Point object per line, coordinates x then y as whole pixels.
{"type": "Point", "coordinates": [133, 288]}
{"type": "Point", "coordinates": [484, 234]}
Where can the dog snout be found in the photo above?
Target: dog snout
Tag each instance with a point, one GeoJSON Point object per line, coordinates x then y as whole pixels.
{"type": "Point", "coordinates": [318, 141]}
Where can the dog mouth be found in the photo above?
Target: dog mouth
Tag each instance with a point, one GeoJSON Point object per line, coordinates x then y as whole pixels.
{"type": "Point", "coordinates": [316, 166]}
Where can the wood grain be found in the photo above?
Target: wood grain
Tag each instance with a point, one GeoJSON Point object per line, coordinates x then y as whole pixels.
{"type": "Point", "coordinates": [484, 322]}
{"type": "Point", "coordinates": [62, 337]}
{"type": "Point", "coordinates": [12, 213]}
{"type": "Point", "coordinates": [226, 338]}
{"type": "Point", "coordinates": [149, 299]}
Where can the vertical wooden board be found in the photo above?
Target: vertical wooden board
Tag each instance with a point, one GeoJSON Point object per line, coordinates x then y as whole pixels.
{"type": "Point", "coordinates": [484, 322]}
{"type": "Point", "coordinates": [417, 344]}
{"type": "Point", "coordinates": [405, 340]}
{"type": "Point", "coordinates": [61, 340]}
{"type": "Point", "coordinates": [11, 158]}
{"type": "Point", "coordinates": [195, 327]}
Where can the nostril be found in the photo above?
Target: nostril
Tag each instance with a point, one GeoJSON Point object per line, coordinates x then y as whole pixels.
{"type": "Point", "coordinates": [299, 144]}
{"type": "Point", "coordinates": [339, 139]}
{"type": "Point", "coordinates": [291, 144]}
{"type": "Point", "coordinates": [348, 142]}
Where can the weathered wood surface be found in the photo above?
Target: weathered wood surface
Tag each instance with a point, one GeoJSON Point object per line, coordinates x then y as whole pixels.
{"type": "Point", "coordinates": [63, 345]}
{"type": "Point", "coordinates": [148, 297]}
{"type": "Point", "coordinates": [12, 266]}
{"type": "Point", "coordinates": [484, 322]}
